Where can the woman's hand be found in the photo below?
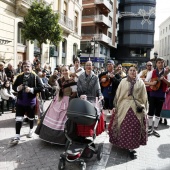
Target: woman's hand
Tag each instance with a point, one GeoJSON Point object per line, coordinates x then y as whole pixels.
{"type": "Point", "coordinates": [101, 97]}
{"type": "Point", "coordinates": [153, 83]}
{"type": "Point", "coordinates": [113, 110]}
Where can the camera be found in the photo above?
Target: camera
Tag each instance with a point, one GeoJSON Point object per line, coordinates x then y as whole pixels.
{"type": "Point", "coordinates": [139, 109]}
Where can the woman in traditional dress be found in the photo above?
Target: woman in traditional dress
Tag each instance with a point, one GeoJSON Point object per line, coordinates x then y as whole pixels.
{"type": "Point", "coordinates": [51, 128]}
{"type": "Point", "coordinates": [127, 128]}
{"type": "Point", "coordinates": [165, 113]}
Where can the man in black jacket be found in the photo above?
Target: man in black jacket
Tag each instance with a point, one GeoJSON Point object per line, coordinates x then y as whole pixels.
{"type": "Point", "coordinates": [109, 82]}
{"type": "Point", "coordinates": [27, 84]}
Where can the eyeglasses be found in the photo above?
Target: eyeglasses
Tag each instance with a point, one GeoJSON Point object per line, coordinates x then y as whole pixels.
{"type": "Point", "coordinates": [109, 64]}
{"type": "Point", "coordinates": [149, 65]}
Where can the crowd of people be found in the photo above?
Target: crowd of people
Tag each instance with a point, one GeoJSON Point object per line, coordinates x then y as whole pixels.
{"type": "Point", "coordinates": [132, 100]}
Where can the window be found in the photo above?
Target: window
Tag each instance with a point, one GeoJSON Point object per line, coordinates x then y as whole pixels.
{"type": "Point", "coordinates": [76, 22]}
{"type": "Point", "coordinates": [109, 34]}
{"type": "Point", "coordinates": [110, 18]}
{"type": "Point", "coordinates": [111, 3]}
{"type": "Point", "coordinates": [101, 49]}
{"type": "Point", "coordinates": [65, 9]}
{"type": "Point", "coordinates": [20, 37]}
{"type": "Point", "coordinates": [105, 51]}
{"type": "Point", "coordinates": [100, 31]}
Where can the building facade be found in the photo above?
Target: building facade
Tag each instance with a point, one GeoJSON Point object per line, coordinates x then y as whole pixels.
{"type": "Point", "coordinates": [11, 18]}
{"type": "Point", "coordinates": [99, 30]}
{"type": "Point", "coordinates": [135, 35]}
{"type": "Point", "coordinates": [164, 41]}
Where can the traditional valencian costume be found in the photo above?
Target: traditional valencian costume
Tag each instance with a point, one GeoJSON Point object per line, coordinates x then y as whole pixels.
{"type": "Point", "coordinates": [51, 127]}
{"type": "Point", "coordinates": [127, 128]}
{"type": "Point", "coordinates": [165, 113]}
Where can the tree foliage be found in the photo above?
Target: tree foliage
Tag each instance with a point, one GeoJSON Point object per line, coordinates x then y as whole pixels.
{"type": "Point", "coordinates": [41, 23]}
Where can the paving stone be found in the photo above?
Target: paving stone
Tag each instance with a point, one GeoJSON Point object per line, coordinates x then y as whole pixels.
{"type": "Point", "coordinates": [35, 154]}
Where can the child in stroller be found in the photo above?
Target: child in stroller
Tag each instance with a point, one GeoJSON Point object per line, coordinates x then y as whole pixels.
{"type": "Point", "coordinates": [84, 113]}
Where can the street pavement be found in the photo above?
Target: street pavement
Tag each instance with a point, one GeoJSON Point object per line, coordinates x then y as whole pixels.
{"type": "Point", "coordinates": [35, 154]}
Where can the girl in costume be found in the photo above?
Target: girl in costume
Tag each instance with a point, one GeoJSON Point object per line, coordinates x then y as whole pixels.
{"type": "Point", "coordinates": [51, 128]}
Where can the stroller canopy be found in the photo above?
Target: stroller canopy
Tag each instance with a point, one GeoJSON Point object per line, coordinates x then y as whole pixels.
{"type": "Point", "coordinates": [81, 112]}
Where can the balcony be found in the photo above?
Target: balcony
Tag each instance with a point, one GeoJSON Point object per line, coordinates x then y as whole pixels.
{"type": "Point", "coordinates": [98, 37]}
{"type": "Point", "coordinates": [65, 22]}
{"type": "Point", "coordinates": [100, 19]}
{"type": "Point", "coordinates": [104, 5]}
{"type": "Point", "coordinates": [23, 5]}
{"type": "Point", "coordinates": [103, 20]}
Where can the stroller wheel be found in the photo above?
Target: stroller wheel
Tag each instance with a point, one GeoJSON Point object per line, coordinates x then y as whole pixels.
{"type": "Point", "coordinates": [83, 166]}
{"type": "Point", "coordinates": [100, 152]}
{"type": "Point", "coordinates": [61, 164]}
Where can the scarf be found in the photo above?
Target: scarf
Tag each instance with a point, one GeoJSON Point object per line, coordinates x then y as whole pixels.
{"type": "Point", "coordinates": [132, 83]}
{"type": "Point", "coordinates": [64, 84]}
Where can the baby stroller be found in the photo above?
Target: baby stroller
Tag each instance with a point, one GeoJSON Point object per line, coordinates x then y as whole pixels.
{"type": "Point", "coordinates": [85, 113]}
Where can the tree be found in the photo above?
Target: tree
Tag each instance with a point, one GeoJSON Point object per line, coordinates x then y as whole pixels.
{"type": "Point", "coordinates": [41, 23]}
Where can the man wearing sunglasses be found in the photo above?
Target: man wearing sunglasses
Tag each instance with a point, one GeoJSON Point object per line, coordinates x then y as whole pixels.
{"type": "Point", "coordinates": [143, 75]}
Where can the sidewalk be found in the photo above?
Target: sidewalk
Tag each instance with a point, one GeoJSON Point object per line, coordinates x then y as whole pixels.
{"type": "Point", "coordinates": [34, 154]}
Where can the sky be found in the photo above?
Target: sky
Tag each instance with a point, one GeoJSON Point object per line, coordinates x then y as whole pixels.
{"type": "Point", "coordinates": [162, 13]}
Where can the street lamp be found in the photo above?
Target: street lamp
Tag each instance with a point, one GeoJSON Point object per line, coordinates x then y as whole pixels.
{"type": "Point", "coordinates": [155, 57]}
{"type": "Point", "coordinates": [94, 45]}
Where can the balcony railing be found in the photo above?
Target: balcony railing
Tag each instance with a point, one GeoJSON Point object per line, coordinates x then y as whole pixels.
{"type": "Point", "coordinates": [24, 5]}
{"type": "Point", "coordinates": [97, 18]}
{"type": "Point", "coordinates": [98, 37]}
{"type": "Point", "coordinates": [104, 2]}
{"type": "Point", "coordinates": [102, 18]}
{"type": "Point", "coordinates": [65, 21]}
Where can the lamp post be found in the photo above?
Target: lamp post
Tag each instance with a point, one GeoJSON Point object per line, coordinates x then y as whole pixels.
{"type": "Point", "coordinates": [94, 45]}
{"type": "Point", "coordinates": [155, 57]}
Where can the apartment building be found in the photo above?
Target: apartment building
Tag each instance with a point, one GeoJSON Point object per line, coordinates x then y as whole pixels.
{"type": "Point", "coordinates": [99, 30]}
{"type": "Point", "coordinates": [13, 48]}
{"type": "Point", "coordinates": [164, 41]}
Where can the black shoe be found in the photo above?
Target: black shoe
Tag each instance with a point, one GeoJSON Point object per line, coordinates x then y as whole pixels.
{"type": "Point", "coordinates": [132, 155]}
{"type": "Point", "coordinates": [165, 122]}
{"type": "Point", "coordinates": [155, 133]}
{"type": "Point", "coordinates": [0, 114]}
{"type": "Point", "coordinates": [150, 130]}
{"type": "Point", "coordinates": [160, 121]}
